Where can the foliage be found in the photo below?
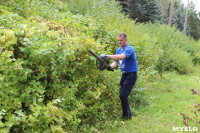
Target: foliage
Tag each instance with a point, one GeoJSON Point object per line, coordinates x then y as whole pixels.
{"type": "Point", "coordinates": [192, 119]}
{"type": "Point", "coordinates": [193, 22]}
{"type": "Point", "coordinates": [146, 10]}
{"type": "Point", "coordinates": [179, 16]}
{"type": "Point", "coordinates": [48, 80]}
{"type": "Point", "coordinates": [125, 6]}
{"type": "Point", "coordinates": [158, 11]}
{"type": "Point", "coordinates": [164, 6]}
{"type": "Point", "coordinates": [78, 7]}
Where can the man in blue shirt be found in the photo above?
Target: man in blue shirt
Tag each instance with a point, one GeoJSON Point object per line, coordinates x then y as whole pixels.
{"type": "Point", "coordinates": [126, 58]}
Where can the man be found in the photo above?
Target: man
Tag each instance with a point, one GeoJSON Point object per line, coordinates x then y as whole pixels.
{"type": "Point", "coordinates": [126, 58]}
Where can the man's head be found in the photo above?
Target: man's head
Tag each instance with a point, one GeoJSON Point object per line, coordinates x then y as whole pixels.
{"type": "Point", "coordinates": [122, 39]}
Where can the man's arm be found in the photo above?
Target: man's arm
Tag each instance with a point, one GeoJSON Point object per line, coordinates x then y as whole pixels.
{"type": "Point", "coordinates": [114, 65]}
{"type": "Point", "coordinates": [117, 57]}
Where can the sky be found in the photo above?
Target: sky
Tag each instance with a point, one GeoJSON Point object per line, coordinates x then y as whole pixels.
{"type": "Point", "coordinates": [196, 2]}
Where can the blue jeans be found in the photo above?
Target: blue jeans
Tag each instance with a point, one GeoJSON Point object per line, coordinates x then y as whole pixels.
{"type": "Point", "coordinates": [127, 82]}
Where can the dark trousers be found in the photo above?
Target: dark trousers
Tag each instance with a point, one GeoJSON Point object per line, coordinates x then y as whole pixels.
{"type": "Point", "coordinates": [127, 82]}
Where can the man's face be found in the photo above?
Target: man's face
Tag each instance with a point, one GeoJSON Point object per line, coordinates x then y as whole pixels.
{"type": "Point", "coordinates": [122, 41]}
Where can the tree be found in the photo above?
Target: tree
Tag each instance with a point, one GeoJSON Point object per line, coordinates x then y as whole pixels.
{"type": "Point", "coordinates": [164, 5]}
{"type": "Point", "coordinates": [145, 10]}
{"type": "Point", "coordinates": [180, 17]}
{"type": "Point", "coordinates": [125, 6]}
{"type": "Point", "coordinates": [171, 12]}
{"type": "Point", "coordinates": [193, 22]}
{"type": "Point", "coordinates": [186, 18]}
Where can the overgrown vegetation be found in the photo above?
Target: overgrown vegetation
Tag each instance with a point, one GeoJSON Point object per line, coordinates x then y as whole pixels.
{"type": "Point", "coordinates": [48, 80]}
{"type": "Point", "coordinates": [192, 118]}
{"type": "Point", "coordinates": [145, 11]}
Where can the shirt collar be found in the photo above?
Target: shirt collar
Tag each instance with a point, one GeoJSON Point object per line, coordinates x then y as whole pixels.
{"type": "Point", "coordinates": [125, 46]}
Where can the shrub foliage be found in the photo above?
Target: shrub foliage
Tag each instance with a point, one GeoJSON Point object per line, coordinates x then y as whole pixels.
{"type": "Point", "coordinates": [48, 80]}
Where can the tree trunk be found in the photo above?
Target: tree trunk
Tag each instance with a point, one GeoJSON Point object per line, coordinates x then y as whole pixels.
{"type": "Point", "coordinates": [171, 12]}
{"type": "Point", "coordinates": [186, 17]}
{"type": "Point", "coordinates": [197, 29]}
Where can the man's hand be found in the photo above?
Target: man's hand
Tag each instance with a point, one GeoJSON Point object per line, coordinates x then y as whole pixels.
{"type": "Point", "coordinates": [114, 65]}
{"type": "Point", "coordinates": [110, 69]}
{"type": "Point", "coordinates": [103, 56]}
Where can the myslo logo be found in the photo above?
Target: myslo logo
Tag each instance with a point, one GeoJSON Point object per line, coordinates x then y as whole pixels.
{"type": "Point", "coordinates": [185, 129]}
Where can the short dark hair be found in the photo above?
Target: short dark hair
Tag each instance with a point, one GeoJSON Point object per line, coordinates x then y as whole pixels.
{"type": "Point", "coordinates": [123, 34]}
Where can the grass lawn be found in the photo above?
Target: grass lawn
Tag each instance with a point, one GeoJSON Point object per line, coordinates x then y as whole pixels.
{"type": "Point", "coordinates": [168, 98]}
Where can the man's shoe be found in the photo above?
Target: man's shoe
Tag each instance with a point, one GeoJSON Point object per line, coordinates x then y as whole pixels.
{"type": "Point", "coordinates": [126, 118]}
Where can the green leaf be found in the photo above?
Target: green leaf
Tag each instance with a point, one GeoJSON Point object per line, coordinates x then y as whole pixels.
{"type": "Point", "coordinates": [20, 113]}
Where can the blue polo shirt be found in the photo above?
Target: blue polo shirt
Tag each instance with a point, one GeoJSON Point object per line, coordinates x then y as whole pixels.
{"type": "Point", "coordinates": [129, 64]}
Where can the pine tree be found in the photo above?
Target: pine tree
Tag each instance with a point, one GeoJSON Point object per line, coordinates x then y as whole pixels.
{"type": "Point", "coordinates": [180, 18]}
{"type": "Point", "coordinates": [145, 10]}
{"type": "Point", "coordinates": [193, 21]}
{"type": "Point", "coordinates": [125, 6]}
{"type": "Point", "coordinates": [164, 5]}
{"type": "Point", "coordinates": [133, 9]}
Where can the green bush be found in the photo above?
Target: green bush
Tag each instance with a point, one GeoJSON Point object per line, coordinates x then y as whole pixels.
{"type": "Point", "coordinates": [49, 81]}
{"type": "Point", "coordinates": [180, 61]}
